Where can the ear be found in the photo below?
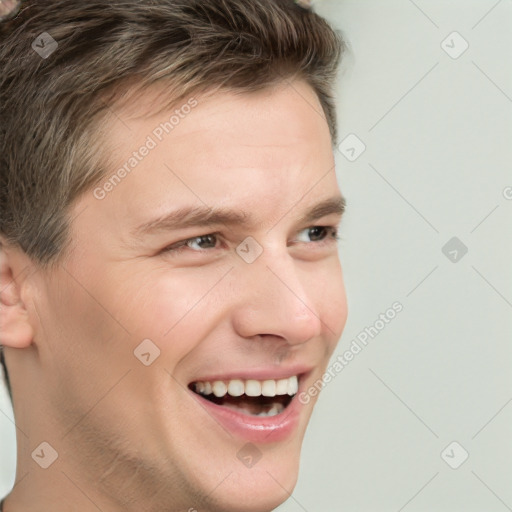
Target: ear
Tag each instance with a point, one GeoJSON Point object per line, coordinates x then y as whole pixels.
{"type": "Point", "coordinates": [15, 328]}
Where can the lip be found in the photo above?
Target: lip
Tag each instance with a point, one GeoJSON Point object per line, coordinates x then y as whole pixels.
{"type": "Point", "coordinates": [259, 374]}
{"type": "Point", "coordinates": [256, 429]}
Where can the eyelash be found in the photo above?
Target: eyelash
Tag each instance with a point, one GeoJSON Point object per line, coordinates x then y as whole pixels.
{"type": "Point", "coordinates": [179, 247]}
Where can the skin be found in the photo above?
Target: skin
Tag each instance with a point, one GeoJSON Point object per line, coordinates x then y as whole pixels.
{"type": "Point", "coordinates": [129, 437]}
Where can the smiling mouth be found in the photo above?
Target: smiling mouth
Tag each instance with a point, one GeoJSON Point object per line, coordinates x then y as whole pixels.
{"type": "Point", "coordinates": [263, 398]}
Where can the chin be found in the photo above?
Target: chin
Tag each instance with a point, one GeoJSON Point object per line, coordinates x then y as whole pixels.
{"type": "Point", "coordinates": [260, 489]}
{"type": "Point", "coordinates": [260, 476]}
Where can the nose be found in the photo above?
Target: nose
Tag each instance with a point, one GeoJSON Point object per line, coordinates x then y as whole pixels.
{"type": "Point", "coordinates": [276, 298]}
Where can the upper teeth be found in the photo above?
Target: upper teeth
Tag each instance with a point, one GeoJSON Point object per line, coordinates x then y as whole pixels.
{"type": "Point", "coordinates": [237, 387]}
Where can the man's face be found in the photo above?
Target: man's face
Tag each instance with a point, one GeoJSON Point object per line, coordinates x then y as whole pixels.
{"type": "Point", "coordinates": [221, 308]}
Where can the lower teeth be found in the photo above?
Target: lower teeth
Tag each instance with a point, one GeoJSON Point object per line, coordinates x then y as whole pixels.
{"type": "Point", "coordinates": [273, 411]}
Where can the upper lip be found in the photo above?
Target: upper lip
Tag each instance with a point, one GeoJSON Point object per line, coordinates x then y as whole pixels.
{"type": "Point", "coordinates": [257, 374]}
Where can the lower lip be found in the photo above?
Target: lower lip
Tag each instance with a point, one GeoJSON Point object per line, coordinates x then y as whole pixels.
{"type": "Point", "coordinates": [256, 429]}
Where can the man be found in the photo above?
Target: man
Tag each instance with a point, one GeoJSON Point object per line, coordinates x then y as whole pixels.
{"type": "Point", "coordinates": [170, 281]}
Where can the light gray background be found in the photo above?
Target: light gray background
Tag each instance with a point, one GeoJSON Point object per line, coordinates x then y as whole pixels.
{"type": "Point", "coordinates": [438, 136]}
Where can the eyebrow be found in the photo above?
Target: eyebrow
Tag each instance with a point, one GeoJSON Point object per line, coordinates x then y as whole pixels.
{"type": "Point", "coordinates": [202, 216]}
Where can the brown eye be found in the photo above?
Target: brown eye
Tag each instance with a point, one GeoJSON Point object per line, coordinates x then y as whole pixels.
{"type": "Point", "coordinates": [201, 243]}
{"type": "Point", "coordinates": [203, 240]}
{"type": "Point", "coordinates": [318, 234]}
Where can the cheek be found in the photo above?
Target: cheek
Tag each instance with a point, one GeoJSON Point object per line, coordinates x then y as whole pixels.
{"type": "Point", "coordinates": [172, 309]}
{"type": "Point", "coordinates": [78, 323]}
{"type": "Point", "coordinates": [331, 302]}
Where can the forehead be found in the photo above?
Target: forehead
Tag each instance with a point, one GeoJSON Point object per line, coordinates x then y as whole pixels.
{"type": "Point", "coordinates": [261, 150]}
{"type": "Point", "coordinates": [274, 116]}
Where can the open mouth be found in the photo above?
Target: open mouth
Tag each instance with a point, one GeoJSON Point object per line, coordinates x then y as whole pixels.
{"type": "Point", "coordinates": [251, 397]}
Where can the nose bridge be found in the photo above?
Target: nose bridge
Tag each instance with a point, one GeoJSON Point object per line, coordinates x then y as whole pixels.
{"type": "Point", "coordinates": [291, 290]}
{"type": "Point", "coordinates": [274, 299]}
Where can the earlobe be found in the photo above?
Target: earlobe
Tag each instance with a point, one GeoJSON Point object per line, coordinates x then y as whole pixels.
{"type": "Point", "coordinates": [15, 328]}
